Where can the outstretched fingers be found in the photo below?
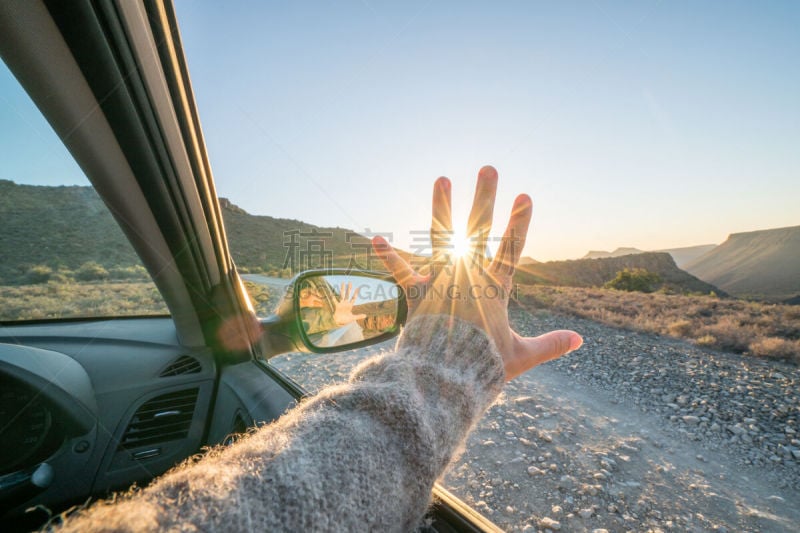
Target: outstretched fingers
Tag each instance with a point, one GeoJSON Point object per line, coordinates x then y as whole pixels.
{"type": "Point", "coordinates": [441, 219]}
{"type": "Point", "coordinates": [480, 218]}
{"type": "Point", "coordinates": [514, 238]}
{"type": "Point", "coordinates": [400, 269]}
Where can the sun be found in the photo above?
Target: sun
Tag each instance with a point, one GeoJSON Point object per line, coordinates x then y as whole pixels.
{"type": "Point", "coordinates": [460, 244]}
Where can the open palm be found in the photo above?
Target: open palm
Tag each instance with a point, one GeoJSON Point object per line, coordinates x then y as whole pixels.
{"type": "Point", "coordinates": [469, 286]}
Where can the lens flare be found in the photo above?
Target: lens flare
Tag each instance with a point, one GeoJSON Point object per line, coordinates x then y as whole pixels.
{"type": "Point", "coordinates": [460, 244]}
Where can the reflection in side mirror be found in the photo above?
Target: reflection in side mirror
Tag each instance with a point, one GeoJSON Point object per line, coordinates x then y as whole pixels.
{"type": "Point", "coordinates": [340, 311]}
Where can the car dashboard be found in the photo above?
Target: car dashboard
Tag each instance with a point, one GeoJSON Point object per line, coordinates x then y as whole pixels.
{"type": "Point", "coordinates": [91, 407]}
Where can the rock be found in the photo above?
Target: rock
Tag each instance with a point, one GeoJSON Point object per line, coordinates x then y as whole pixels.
{"type": "Point", "coordinates": [608, 463]}
{"type": "Point", "coordinates": [549, 523]}
{"type": "Point", "coordinates": [586, 513]}
{"type": "Point", "coordinates": [535, 471]}
{"type": "Point", "coordinates": [566, 482]}
{"type": "Point", "coordinates": [691, 420]}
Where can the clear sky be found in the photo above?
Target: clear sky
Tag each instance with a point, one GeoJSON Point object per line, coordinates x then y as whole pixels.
{"type": "Point", "coordinates": [646, 124]}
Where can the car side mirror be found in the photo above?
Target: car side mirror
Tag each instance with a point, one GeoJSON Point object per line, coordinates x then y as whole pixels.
{"type": "Point", "coordinates": [333, 310]}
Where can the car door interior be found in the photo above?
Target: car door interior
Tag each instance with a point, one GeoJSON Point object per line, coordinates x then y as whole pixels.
{"type": "Point", "coordinates": [92, 406]}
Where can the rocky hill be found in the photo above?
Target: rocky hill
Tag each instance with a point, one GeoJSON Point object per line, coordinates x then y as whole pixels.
{"type": "Point", "coordinates": [759, 264]}
{"type": "Point", "coordinates": [58, 227]}
{"type": "Point", "coordinates": [596, 272]}
{"type": "Point", "coordinates": [67, 226]}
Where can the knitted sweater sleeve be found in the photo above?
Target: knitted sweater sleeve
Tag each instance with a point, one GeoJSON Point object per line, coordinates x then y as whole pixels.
{"type": "Point", "coordinates": [358, 456]}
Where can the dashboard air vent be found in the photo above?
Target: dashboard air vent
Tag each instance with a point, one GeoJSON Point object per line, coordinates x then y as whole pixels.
{"type": "Point", "coordinates": [164, 418]}
{"type": "Point", "coordinates": [182, 365]}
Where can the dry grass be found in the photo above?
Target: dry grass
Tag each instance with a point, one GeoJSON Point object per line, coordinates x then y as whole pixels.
{"type": "Point", "coordinates": [55, 300]}
{"type": "Point", "coordinates": [763, 330]}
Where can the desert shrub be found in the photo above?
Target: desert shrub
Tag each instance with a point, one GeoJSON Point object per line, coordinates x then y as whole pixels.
{"type": "Point", "coordinates": [634, 279]}
{"type": "Point", "coordinates": [792, 313]}
{"type": "Point", "coordinates": [776, 348]}
{"type": "Point", "coordinates": [732, 333]}
{"type": "Point", "coordinates": [91, 271]}
{"type": "Point", "coordinates": [38, 274]}
{"type": "Point", "coordinates": [706, 340]}
{"type": "Point", "coordinates": [720, 323]}
{"type": "Point", "coordinates": [131, 272]}
{"type": "Point", "coordinates": [680, 328]}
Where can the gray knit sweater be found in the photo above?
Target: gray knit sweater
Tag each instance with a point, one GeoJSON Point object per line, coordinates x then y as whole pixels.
{"type": "Point", "coordinates": [358, 456]}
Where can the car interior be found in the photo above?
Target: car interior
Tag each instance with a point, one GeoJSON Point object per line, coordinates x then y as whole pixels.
{"type": "Point", "coordinates": [92, 406]}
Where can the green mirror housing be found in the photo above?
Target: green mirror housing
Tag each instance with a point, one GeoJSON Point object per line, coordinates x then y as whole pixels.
{"type": "Point", "coordinates": [333, 310]}
{"type": "Point", "coordinates": [337, 311]}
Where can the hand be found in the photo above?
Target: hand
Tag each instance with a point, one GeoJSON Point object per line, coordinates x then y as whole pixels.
{"type": "Point", "coordinates": [469, 288]}
{"type": "Point", "coordinates": [343, 314]}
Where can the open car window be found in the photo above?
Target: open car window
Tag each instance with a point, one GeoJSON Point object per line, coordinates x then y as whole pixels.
{"type": "Point", "coordinates": [63, 253]}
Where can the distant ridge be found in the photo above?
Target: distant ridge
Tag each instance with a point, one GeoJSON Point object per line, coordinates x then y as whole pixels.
{"type": "Point", "coordinates": [596, 272]}
{"type": "Point", "coordinates": [757, 264]}
{"type": "Point", "coordinates": [619, 252]}
{"type": "Point", "coordinates": [682, 256]}
{"type": "Point", "coordinates": [685, 255]}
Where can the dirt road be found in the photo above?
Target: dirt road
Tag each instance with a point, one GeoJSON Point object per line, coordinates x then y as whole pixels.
{"type": "Point", "coordinates": [631, 433]}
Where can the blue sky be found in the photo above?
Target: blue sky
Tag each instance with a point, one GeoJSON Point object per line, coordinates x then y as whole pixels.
{"type": "Point", "coordinates": [650, 124]}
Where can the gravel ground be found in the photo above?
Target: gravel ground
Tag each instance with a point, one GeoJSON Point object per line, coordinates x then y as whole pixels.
{"type": "Point", "coordinates": [633, 432]}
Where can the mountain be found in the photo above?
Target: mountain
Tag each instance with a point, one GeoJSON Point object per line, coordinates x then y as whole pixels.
{"type": "Point", "coordinates": [759, 264]}
{"type": "Point", "coordinates": [596, 272]}
{"type": "Point", "coordinates": [67, 226]}
{"type": "Point", "coordinates": [59, 227]}
{"type": "Point", "coordinates": [619, 252]}
{"type": "Point", "coordinates": [684, 256]}
{"type": "Point", "coordinates": [269, 243]}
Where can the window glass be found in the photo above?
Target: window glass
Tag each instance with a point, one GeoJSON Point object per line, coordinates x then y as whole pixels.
{"type": "Point", "coordinates": [63, 254]}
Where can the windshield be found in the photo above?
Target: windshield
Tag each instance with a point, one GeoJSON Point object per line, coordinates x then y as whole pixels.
{"type": "Point", "coordinates": [63, 254]}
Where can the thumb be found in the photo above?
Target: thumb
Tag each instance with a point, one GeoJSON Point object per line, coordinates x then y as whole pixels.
{"type": "Point", "coordinates": [532, 351]}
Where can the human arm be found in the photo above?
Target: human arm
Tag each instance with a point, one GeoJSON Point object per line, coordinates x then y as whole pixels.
{"type": "Point", "coordinates": [363, 455]}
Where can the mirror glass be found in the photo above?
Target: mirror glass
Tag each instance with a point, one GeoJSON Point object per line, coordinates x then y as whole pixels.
{"type": "Point", "coordinates": [337, 310]}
